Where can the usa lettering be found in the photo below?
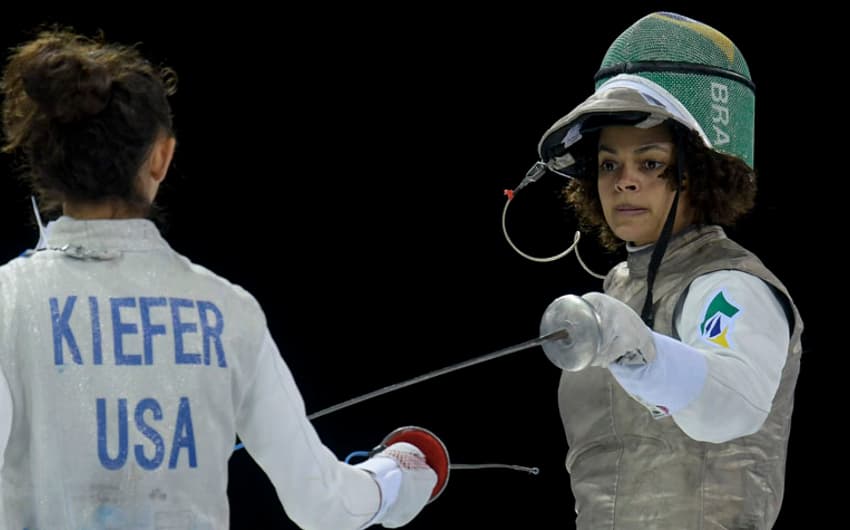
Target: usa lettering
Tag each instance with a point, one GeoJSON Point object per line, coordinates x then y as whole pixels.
{"type": "Point", "coordinates": [146, 415]}
{"type": "Point", "coordinates": [170, 324]}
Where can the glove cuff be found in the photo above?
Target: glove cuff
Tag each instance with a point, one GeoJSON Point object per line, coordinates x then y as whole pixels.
{"type": "Point", "coordinates": [387, 474]}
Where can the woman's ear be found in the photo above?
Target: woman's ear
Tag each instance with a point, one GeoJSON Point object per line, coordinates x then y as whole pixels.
{"type": "Point", "coordinates": [160, 157]}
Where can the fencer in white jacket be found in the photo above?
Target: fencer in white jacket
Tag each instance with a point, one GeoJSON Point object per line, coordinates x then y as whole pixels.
{"type": "Point", "coordinates": [126, 371]}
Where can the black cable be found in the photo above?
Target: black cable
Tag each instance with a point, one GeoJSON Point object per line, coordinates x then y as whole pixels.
{"type": "Point", "coordinates": [647, 314]}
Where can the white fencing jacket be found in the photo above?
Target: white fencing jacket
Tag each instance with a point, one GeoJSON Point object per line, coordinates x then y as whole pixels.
{"type": "Point", "coordinates": [126, 372]}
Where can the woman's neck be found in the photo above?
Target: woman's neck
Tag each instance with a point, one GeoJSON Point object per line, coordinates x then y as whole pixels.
{"type": "Point", "coordinates": [101, 210]}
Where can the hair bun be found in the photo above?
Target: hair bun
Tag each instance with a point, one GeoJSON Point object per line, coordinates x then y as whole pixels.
{"type": "Point", "coordinates": [68, 86]}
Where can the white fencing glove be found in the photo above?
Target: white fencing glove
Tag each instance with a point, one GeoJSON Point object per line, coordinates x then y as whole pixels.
{"type": "Point", "coordinates": [405, 481]}
{"type": "Point", "coordinates": [625, 337]}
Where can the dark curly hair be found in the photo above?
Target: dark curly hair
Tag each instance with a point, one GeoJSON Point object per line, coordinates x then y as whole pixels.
{"type": "Point", "coordinates": [721, 188]}
{"type": "Point", "coordinates": [82, 115]}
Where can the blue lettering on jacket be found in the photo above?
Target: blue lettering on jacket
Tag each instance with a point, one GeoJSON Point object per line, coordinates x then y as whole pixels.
{"type": "Point", "coordinates": [147, 414]}
{"type": "Point", "coordinates": [156, 318]}
{"type": "Point", "coordinates": [62, 330]}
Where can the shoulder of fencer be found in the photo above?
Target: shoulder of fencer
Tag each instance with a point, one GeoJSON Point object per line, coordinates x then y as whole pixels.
{"type": "Point", "coordinates": [14, 267]}
{"type": "Point", "coordinates": [11, 275]}
{"type": "Point", "coordinates": [618, 273]}
{"type": "Point", "coordinates": [214, 282]}
{"type": "Point", "coordinates": [741, 267]}
{"type": "Point", "coordinates": [733, 249]}
{"type": "Point", "coordinates": [728, 279]}
{"type": "Point", "coordinates": [736, 291]}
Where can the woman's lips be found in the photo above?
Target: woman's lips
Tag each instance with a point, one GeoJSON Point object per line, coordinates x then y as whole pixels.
{"type": "Point", "coordinates": [629, 209]}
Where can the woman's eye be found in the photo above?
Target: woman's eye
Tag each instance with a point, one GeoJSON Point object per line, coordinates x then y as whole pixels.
{"type": "Point", "coordinates": [607, 165]}
{"type": "Point", "coordinates": [653, 164]}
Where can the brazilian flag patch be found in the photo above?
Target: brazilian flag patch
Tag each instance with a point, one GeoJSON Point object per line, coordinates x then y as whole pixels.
{"type": "Point", "coordinates": [717, 322]}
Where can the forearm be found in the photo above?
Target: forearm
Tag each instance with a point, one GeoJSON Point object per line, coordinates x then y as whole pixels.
{"type": "Point", "coordinates": [698, 387]}
{"type": "Point", "coordinates": [316, 490]}
{"type": "Point", "coordinates": [671, 382]}
{"type": "Point", "coordinates": [719, 380]}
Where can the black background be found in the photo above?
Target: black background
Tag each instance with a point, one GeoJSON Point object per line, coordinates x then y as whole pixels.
{"type": "Point", "coordinates": [346, 166]}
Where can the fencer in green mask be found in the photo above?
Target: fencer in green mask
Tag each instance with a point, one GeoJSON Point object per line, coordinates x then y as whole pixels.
{"type": "Point", "coordinates": [681, 418]}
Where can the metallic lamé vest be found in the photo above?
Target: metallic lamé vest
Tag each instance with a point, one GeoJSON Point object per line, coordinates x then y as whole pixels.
{"type": "Point", "coordinates": [630, 471]}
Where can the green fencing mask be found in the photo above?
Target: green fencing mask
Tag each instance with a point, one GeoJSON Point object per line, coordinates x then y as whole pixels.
{"type": "Point", "coordinates": [665, 66]}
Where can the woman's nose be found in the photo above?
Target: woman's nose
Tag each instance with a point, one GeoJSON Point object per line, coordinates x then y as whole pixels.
{"type": "Point", "coordinates": [627, 179]}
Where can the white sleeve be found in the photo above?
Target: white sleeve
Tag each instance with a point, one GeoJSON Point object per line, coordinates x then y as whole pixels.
{"type": "Point", "coordinates": [316, 489]}
{"type": "Point", "coordinates": [6, 411]}
{"type": "Point", "coordinates": [736, 321]}
{"type": "Point", "coordinates": [719, 380]}
{"type": "Point", "coordinates": [670, 382]}
{"type": "Point", "coordinates": [5, 428]}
